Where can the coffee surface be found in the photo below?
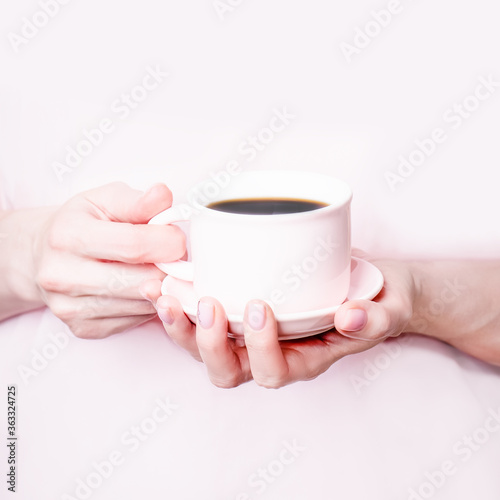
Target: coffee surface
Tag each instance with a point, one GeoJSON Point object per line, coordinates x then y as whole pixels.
{"type": "Point", "coordinates": [266, 206]}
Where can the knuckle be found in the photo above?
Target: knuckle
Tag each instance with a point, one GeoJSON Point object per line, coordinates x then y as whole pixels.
{"type": "Point", "coordinates": [44, 281]}
{"type": "Point", "coordinates": [393, 325]}
{"type": "Point", "coordinates": [83, 331]}
{"type": "Point", "coordinates": [48, 280]}
{"type": "Point", "coordinates": [59, 235]}
{"type": "Point", "coordinates": [63, 311]}
{"type": "Point", "coordinates": [406, 311]}
{"type": "Point", "coordinates": [55, 238]}
{"type": "Point", "coordinates": [385, 322]}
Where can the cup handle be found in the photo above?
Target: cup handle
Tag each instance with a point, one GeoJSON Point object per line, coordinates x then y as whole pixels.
{"type": "Point", "coordinates": [179, 269]}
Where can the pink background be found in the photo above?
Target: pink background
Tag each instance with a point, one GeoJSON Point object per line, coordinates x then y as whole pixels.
{"type": "Point", "coordinates": [376, 425]}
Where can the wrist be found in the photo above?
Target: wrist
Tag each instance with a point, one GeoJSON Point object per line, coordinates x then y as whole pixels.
{"type": "Point", "coordinates": [19, 292]}
{"type": "Point", "coordinates": [435, 298]}
{"type": "Point", "coordinates": [425, 310]}
{"type": "Point", "coordinates": [417, 323]}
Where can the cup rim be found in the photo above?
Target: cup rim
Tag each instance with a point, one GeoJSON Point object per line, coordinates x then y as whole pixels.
{"type": "Point", "coordinates": [332, 206]}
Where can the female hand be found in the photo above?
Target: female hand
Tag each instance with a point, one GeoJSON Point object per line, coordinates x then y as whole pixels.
{"type": "Point", "coordinates": [92, 253]}
{"type": "Point", "coordinates": [359, 325]}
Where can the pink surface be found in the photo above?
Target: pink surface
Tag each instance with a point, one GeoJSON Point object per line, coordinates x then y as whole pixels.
{"type": "Point", "coordinates": [412, 418]}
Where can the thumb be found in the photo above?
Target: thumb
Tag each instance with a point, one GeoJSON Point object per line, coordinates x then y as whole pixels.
{"type": "Point", "coordinates": [155, 200]}
{"type": "Point", "coordinates": [365, 320]}
{"type": "Point", "coordinates": [118, 202]}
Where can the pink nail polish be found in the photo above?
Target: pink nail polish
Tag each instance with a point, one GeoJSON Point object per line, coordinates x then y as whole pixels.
{"type": "Point", "coordinates": [206, 315]}
{"type": "Point", "coordinates": [256, 316]}
{"type": "Point", "coordinates": [166, 316]}
{"type": "Point", "coordinates": [355, 319]}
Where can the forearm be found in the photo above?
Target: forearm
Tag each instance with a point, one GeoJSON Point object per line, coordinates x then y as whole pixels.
{"type": "Point", "coordinates": [18, 231]}
{"type": "Point", "coordinates": [458, 302]}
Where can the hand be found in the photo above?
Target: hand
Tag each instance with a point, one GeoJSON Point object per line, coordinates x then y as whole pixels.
{"type": "Point", "coordinates": [360, 325]}
{"type": "Point", "coordinates": [92, 254]}
{"type": "Point", "coordinates": [389, 314]}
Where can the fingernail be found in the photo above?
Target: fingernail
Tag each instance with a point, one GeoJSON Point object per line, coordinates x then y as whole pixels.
{"type": "Point", "coordinates": [166, 316]}
{"type": "Point", "coordinates": [205, 314]}
{"type": "Point", "coordinates": [256, 316]}
{"type": "Point", "coordinates": [355, 320]}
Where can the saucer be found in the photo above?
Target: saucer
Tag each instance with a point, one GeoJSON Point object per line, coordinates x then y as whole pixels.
{"type": "Point", "coordinates": [366, 283]}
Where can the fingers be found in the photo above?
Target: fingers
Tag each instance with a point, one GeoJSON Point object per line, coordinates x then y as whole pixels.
{"type": "Point", "coordinates": [118, 202]}
{"type": "Point", "coordinates": [310, 357]}
{"type": "Point", "coordinates": [102, 328]}
{"type": "Point", "coordinates": [155, 200]}
{"type": "Point", "coordinates": [367, 320]}
{"type": "Point", "coordinates": [275, 364]}
{"type": "Point", "coordinates": [72, 309]}
{"type": "Point", "coordinates": [105, 224]}
{"type": "Point", "coordinates": [110, 223]}
{"type": "Point", "coordinates": [151, 290]}
{"type": "Point", "coordinates": [82, 277]}
{"type": "Point", "coordinates": [98, 317]}
{"type": "Point", "coordinates": [132, 244]}
{"type": "Point", "coordinates": [225, 367]}
{"type": "Point", "coordinates": [268, 365]}
{"type": "Point", "coordinates": [177, 325]}
{"type": "Point", "coordinates": [387, 315]}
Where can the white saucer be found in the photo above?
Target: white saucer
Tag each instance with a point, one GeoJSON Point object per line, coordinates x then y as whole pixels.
{"type": "Point", "coordinates": [366, 283]}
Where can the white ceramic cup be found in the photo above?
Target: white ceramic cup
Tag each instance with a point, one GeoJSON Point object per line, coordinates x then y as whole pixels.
{"type": "Point", "coordinates": [297, 262]}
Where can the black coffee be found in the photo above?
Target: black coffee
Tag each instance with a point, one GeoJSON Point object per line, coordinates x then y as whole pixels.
{"type": "Point", "coordinates": [266, 206]}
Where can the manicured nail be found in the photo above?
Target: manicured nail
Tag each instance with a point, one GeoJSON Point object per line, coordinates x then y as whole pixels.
{"type": "Point", "coordinates": [355, 320]}
{"type": "Point", "coordinates": [256, 316]}
{"type": "Point", "coordinates": [166, 315]}
{"type": "Point", "coordinates": [205, 314]}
